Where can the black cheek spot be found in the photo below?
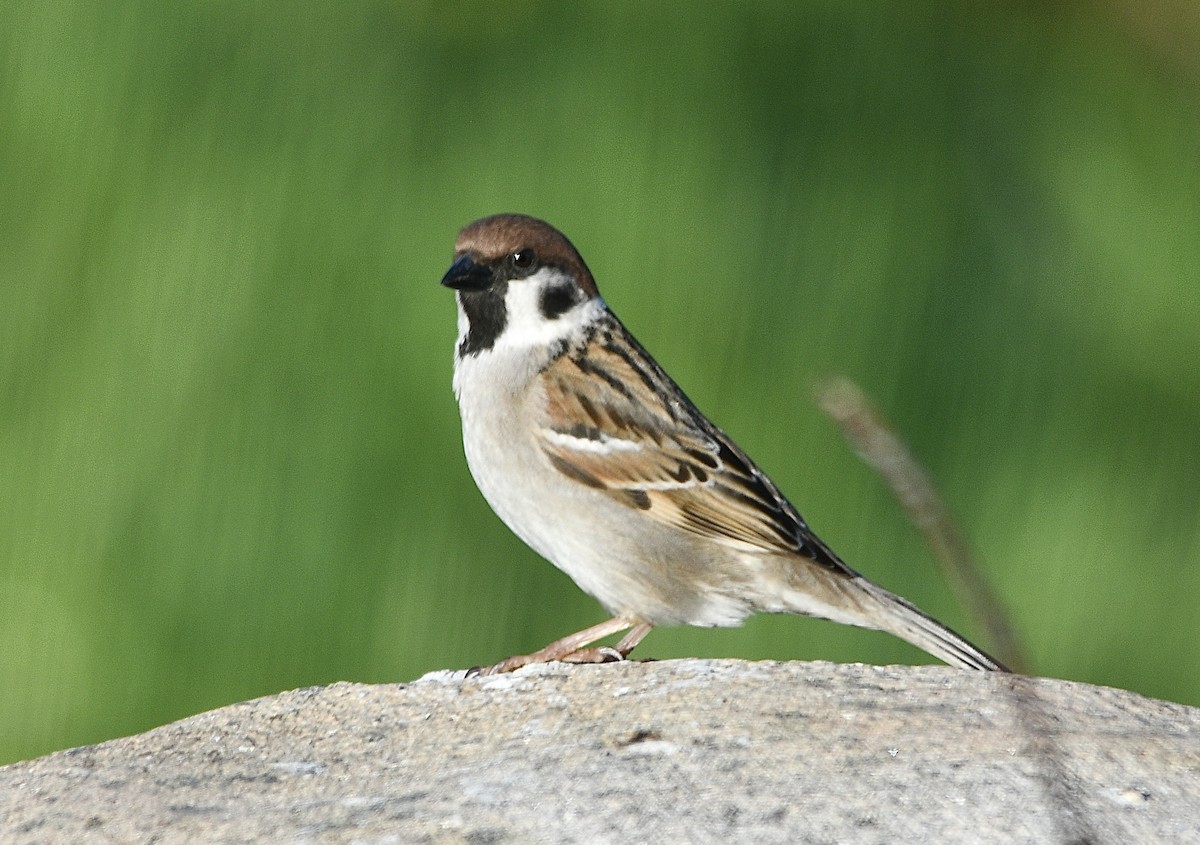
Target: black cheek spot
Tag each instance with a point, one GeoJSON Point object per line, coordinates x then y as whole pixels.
{"type": "Point", "coordinates": [557, 300]}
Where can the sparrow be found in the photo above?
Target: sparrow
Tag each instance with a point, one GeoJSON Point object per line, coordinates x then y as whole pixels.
{"type": "Point", "coordinates": [596, 459]}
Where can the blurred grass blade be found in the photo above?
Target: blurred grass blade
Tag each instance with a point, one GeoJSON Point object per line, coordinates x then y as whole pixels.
{"type": "Point", "coordinates": [884, 452]}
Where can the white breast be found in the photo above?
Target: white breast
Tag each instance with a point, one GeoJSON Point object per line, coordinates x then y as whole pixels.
{"type": "Point", "coordinates": [608, 549]}
{"type": "Point", "coordinates": [498, 398]}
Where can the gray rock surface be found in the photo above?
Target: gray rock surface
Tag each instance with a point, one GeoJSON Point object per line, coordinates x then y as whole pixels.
{"type": "Point", "coordinates": [679, 751]}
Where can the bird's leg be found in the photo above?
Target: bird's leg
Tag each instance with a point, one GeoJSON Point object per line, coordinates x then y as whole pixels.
{"type": "Point", "coordinates": [611, 654]}
{"type": "Point", "coordinates": [574, 648]}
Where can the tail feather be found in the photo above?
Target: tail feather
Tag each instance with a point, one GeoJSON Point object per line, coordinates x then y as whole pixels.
{"type": "Point", "coordinates": [908, 622]}
{"type": "Point", "coordinates": [839, 593]}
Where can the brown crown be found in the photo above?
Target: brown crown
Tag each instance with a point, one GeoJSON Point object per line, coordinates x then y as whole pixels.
{"type": "Point", "coordinates": [491, 239]}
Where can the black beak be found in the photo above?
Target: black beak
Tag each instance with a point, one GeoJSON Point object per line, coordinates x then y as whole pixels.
{"type": "Point", "coordinates": [465, 273]}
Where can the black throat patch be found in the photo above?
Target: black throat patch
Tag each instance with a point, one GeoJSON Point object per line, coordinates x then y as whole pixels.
{"type": "Point", "coordinates": [486, 317]}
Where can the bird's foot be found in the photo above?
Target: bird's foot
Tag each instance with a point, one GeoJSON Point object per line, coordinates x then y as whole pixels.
{"type": "Point", "coordinates": [574, 649]}
{"type": "Point", "coordinates": [604, 654]}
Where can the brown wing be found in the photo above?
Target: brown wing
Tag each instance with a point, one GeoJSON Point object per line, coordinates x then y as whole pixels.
{"type": "Point", "coordinates": [615, 421]}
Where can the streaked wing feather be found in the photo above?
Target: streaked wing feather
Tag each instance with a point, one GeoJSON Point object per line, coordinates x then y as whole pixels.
{"type": "Point", "coordinates": [615, 421]}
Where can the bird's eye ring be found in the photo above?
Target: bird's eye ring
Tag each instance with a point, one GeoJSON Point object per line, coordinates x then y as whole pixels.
{"type": "Point", "coordinates": [523, 259]}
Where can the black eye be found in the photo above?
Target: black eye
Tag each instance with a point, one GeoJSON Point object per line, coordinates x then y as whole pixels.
{"type": "Point", "coordinates": [523, 259]}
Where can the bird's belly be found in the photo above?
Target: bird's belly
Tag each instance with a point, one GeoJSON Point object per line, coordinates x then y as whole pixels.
{"type": "Point", "coordinates": [628, 562]}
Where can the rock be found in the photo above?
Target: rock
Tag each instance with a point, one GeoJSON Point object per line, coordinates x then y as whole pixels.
{"type": "Point", "coordinates": [678, 751]}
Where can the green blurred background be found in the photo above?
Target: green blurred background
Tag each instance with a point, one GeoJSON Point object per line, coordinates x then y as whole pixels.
{"type": "Point", "coordinates": [230, 461]}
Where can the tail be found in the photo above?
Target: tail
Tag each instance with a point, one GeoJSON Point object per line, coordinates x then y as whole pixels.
{"type": "Point", "coordinates": [831, 590]}
{"type": "Point", "coordinates": [888, 612]}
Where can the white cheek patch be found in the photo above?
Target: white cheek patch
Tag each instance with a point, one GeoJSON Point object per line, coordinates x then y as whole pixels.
{"type": "Point", "coordinates": [528, 327]}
